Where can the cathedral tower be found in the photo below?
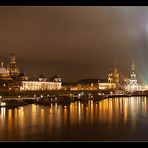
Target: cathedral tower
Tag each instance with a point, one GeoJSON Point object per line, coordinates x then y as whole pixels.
{"type": "Point", "coordinates": [110, 77]}
{"type": "Point", "coordinates": [116, 76]}
{"type": "Point", "coordinates": [133, 79]}
{"type": "Point", "coordinates": [12, 67]}
{"type": "Point", "coordinates": [133, 85]}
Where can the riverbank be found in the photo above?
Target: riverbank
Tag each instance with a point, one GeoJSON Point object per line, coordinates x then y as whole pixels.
{"type": "Point", "coordinates": [47, 99]}
{"type": "Point", "coordinates": [15, 103]}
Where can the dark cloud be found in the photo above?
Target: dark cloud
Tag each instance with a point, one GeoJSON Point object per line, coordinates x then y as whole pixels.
{"type": "Point", "coordinates": [75, 42]}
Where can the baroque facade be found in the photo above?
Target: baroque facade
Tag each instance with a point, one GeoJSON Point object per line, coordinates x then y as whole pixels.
{"type": "Point", "coordinates": [12, 79]}
{"type": "Point", "coordinates": [41, 84]}
{"type": "Point", "coordinates": [132, 83]}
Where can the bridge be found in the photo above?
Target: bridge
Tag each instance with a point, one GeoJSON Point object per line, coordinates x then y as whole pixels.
{"type": "Point", "coordinates": [19, 98]}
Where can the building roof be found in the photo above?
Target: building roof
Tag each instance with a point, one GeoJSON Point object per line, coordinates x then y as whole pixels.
{"type": "Point", "coordinates": [41, 75]}
{"type": "Point", "coordinates": [102, 80]}
{"type": "Point", "coordinates": [69, 83]}
{"type": "Point", "coordinates": [3, 71]}
{"type": "Point", "coordinates": [21, 74]}
{"type": "Point", "coordinates": [89, 81]}
{"type": "Point", "coordinates": [56, 76]}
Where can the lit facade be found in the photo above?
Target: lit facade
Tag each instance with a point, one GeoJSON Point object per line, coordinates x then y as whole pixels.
{"type": "Point", "coordinates": [12, 67]}
{"type": "Point", "coordinates": [106, 86]}
{"type": "Point", "coordinates": [4, 73]}
{"type": "Point", "coordinates": [132, 84]}
{"type": "Point", "coordinates": [90, 84]}
{"type": "Point", "coordinates": [41, 84]}
{"type": "Point", "coordinates": [116, 77]}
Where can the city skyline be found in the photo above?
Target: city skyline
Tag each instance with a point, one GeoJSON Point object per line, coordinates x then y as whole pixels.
{"type": "Point", "coordinates": [73, 73]}
{"type": "Point", "coordinates": [20, 70]}
{"type": "Point", "coordinates": [75, 42]}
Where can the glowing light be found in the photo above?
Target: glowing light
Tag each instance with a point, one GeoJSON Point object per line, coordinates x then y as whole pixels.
{"type": "Point", "coordinates": [3, 104]}
{"type": "Point", "coordinates": [111, 92]}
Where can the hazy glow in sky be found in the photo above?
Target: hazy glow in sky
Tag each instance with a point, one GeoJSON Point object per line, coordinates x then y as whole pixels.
{"type": "Point", "coordinates": [75, 42]}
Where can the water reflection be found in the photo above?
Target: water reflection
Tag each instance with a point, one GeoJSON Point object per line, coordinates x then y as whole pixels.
{"type": "Point", "coordinates": [29, 122]}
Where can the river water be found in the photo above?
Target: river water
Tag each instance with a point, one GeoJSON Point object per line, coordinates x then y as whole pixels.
{"type": "Point", "coordinates": [116, 119]}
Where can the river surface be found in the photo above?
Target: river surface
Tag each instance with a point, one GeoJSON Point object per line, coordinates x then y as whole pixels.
{"type": "Point", "coordinates": [116, 119]}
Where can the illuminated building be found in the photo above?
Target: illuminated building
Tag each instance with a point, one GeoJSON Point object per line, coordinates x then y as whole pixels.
{"type": "Point", "coordinates": [132, 84]}
{"type": "Point", "coordinates": [110, 77]}
{"type": "Point", "coordinates": [116, 77]}
{"type": "Point", "coordinates": [7, 83]}
{"type": "Point", "coordinates": [69, 86]}
{"type": "Point", "coordinates": [87, 84]}
{"type": "Point", "coordinates": [56, 78]}
{"type": "Point", "coordinates": [12, 67]}
{"type": "Point", "coordinates": [104, 84]}
{"type": "Point", "coordinates": [22, 76]}
{"type": "Point", "coordinates": [4, 74]}
{"type": "Point", "coordinates": [41, 84]}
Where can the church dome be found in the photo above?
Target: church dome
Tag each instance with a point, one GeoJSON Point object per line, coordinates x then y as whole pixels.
{"type": "Point", "coordinates": [3, 71]}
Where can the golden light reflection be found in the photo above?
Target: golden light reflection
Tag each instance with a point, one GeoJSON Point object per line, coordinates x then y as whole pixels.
{"type": "Point", "coordinates": [79, 111]}
{"type": "Point", "coordinates": [58, 117]}
{"type": "Point", "coordinates": [34, 108]}
{"type": "Point", "coordinates": [3, 113]}
{"type": "Point", "coordinates": [100, 110]}
{"type": "Point", "coordinates": [42, 116]}
{"type": "Point", "coordinates": [117, 111]}
{"type": "Point", "coordinates": [110, 112]}
{"type": "Point", "coordinates": [51, 117]}
{"type": "Point", "coordinates": [16, 118]}
{"type": "Point", "coordinates": [145, 105]}
{"type": "Point", "coordinates": [21, 117]}
{"type": "Point", "coordinates": [9, 119]}
{"type": "Point", "coordinates": [125, 109]}
{"type": "Point", "coordinates": [110, 115]}
{"type": "Point", "coordinates": [91, 111]}
{"type": "Point", "coordinates": [65, 114]}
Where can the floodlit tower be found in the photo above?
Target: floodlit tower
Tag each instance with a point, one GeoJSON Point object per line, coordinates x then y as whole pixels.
{"type": "Point", "coordinates": [110, 77]}
{"type": "Point", "coordinates": [12, 67]}
{"type": "Point", "coordinates": [116, 76]}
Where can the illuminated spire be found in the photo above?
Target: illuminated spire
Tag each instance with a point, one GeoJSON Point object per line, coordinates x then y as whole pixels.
{"type": "Point", "coordinates": [2, 65]}
{"type": "Point", "coordinates": [13, 66]}
{"type": "Point", "coordinates": [116, 74]}
{"type": "Point", "coordinates": [133, 68]}
{"type": "Point", "coordinates": [115, 65]}
{"type": "Point", "coordinates": [133, 73]}
{"type": "Point", "coordinates": [12, 59]}
{"type": "Point", "coordinates": [110, 76]}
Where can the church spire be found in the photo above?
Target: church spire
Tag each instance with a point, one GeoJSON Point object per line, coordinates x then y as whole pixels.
{"type": "Point", "coordinates": [133, 73]}
{"type": "Point", "coordinates": [133, 68]}
{"type": "Point", "coordinates": [2, 65]}
{"type": "Point", "coordinates": [116, 74]}
{"type": "Point", "coordinates": [12, 59]}
{"type": "Point", "coordinates": [13, 66]}
{"type": "Point", "coordinates": [110, 76]}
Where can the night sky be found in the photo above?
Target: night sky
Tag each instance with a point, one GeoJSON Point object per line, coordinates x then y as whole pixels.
{"type": "Point", "coordinates": [75, 42]}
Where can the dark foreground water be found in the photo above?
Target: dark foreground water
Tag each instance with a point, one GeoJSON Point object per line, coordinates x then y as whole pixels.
{"type": "Point", "coordinates": [110, 119]}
